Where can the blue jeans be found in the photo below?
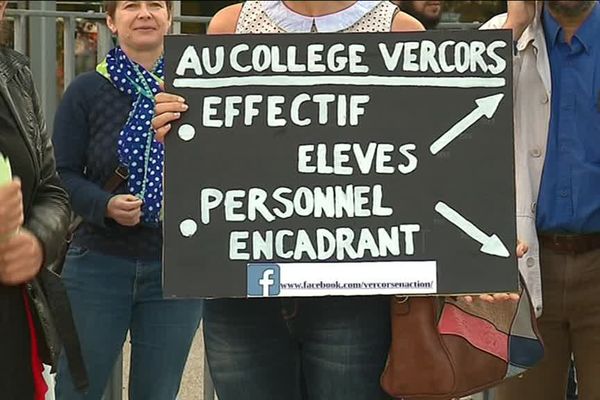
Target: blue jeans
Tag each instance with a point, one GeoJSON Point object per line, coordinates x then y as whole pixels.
{"type": "Point", "coordinates": [331, 348]}
{"type": "Point", "coordinates": [112, 295]}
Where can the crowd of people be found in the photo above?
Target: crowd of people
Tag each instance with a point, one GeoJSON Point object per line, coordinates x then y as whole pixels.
{"type": "Point", "coordinates": [105, 163]}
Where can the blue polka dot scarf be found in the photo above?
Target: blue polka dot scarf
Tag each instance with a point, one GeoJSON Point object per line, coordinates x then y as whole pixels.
{"type": "Point", "coordinates": [137, 148]}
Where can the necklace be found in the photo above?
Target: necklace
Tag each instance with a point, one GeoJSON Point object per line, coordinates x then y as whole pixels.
{"type": "Point", "coordinates": [146, 91]}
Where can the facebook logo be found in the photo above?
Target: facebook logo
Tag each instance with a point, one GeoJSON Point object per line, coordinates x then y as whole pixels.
{"type": "Point", "coordinates": [263, 280]}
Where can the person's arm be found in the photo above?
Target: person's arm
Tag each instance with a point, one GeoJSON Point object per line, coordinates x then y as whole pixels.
{"type": "Point", "coordinates": [49, 215]}
{"type": "Point", "coordinates": [406, 23]}
{"type": "Point", "coordinates": [71, 140]}
{"type": "Point", "coordinates": [225, 21]}
{"type": "Point", "coordinates": [520, 16]}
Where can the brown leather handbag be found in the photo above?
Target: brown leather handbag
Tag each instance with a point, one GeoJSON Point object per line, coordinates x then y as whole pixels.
{"type": "Point", "coordinates": [443, 348]}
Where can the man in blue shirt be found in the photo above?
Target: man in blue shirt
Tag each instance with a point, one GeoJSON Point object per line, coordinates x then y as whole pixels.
{"type": "Point", "coordinates": [558, 128]}
{"type": "Point", "coordinates": [569, 200]}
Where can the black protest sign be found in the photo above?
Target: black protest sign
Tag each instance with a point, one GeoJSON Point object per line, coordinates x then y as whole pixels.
{"type": "Point", "coordinates": [340, 164]}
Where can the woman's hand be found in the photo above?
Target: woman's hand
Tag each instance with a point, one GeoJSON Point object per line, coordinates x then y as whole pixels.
{"type": "Point", "coordinates": [21, 257]}
{"type": "Point", "coordinates": [492, 298]}
{"type": "Point", "coordinates": [21, 253]}
{"type": "Point", "coordinates": [11, 209]}
{"type": "Point", "coordinates": [168, 108]}
{"type": "Point", "coordinates": [125, 209]}
{"type": "Point", "coordinates": [522, 248]}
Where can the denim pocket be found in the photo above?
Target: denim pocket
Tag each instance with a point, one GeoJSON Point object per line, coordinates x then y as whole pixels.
{"type": "Point", "coordinates": [76, 251]}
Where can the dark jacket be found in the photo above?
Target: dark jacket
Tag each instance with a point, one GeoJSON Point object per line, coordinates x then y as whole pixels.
{"type": "Point", "coordinates": [87, 126]}
{"type": "Point", "coordinates": [48, 214]}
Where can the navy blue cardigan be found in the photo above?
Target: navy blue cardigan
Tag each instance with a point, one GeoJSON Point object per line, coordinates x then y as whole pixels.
{"type": "Point", "coordinates": [86, 129]}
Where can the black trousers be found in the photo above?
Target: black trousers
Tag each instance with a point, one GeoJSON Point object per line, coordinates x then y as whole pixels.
{"type": "Point", "coordinates": [16, 377]}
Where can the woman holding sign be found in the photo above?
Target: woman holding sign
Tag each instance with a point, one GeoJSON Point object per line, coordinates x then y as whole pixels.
{"type": "Point", "coordinates": [322, 348]}
{"type": "Point", "coordinates": [113, 269]}
{"type": "Point", "coordinates": [34, 215]}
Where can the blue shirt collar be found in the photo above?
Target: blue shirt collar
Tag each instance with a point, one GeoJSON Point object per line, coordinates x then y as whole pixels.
{"type": "Point", "coordinates": [587, 34]}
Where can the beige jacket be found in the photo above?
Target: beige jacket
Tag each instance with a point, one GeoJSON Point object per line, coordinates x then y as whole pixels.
{"type": "Point", "coordinates": [532, 93]}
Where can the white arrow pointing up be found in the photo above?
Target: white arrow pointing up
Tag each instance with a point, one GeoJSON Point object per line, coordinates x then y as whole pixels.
{"type": "Point", "coordinates": [485, 106]}
{"type": "Point", "coordinates": [490, 244]}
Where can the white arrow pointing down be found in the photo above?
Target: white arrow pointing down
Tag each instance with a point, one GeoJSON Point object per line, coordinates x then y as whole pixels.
{"type": "Point", "coordinates": [490, 244]}
{"type": "Point", "coordinates": [486, 106]}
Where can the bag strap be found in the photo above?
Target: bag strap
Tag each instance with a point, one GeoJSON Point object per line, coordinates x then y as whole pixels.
{"type": "Point", "coordinates": [119, 175]}
{"type": "Point", "coordinates": [60, 308]}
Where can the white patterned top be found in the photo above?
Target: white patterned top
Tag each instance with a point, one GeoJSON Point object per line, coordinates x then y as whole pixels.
{"type": "Point", "coordinates": [263, 16]}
